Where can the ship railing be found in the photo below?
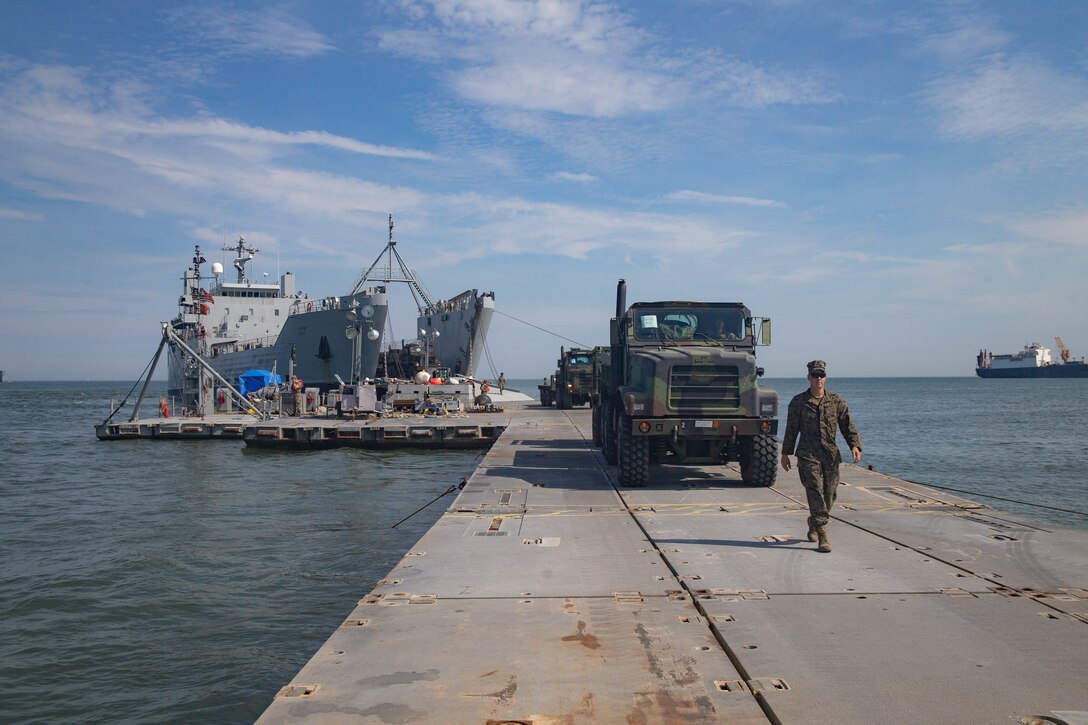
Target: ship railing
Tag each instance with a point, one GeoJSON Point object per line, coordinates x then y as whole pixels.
{"type": "Point", "coordinates": [306, 304]}
{"type": "Point", "coordinates": [255, 343]}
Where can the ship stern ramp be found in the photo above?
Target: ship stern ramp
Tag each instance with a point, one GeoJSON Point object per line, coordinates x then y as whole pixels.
{"type": "Point", "coordinates": [546, 593]}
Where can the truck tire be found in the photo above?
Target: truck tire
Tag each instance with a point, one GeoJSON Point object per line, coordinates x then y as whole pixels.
{"type": "Point", "coordinates": [595, 413]}
{"type": "Point", "coordinates": [562, 400]}
{"type": "Point", "coordinates": [759, 462]}
{"type": "Point", "coordinates": [608, 435]}
{"type": "Point", "coordinates": [634, 454]}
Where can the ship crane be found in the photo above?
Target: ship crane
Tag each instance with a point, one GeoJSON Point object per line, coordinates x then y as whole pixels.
{"type": "Point", "coordinates": [406, 274]}
{"type": "Point", "coordinates": [1063, 349]}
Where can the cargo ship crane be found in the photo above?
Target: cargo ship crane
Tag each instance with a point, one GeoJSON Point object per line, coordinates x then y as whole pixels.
{"type": "Point", "coordinates": [1064, 350]}
{"type": "Point", "coordinates": [406, 275]}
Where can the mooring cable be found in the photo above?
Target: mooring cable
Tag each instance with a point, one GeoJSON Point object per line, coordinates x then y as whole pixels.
{"type": "Point", "coordinates": [556, 334]}
{"type": "Point", "coordinates": [999, 498]}
{"type": "Point", "coordinates": [448, 491]}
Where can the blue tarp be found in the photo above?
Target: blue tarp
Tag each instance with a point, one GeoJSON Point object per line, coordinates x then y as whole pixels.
{"type": "Point", "coordinates": [252, 380]}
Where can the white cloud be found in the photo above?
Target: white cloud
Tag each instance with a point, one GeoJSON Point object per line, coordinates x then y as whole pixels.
{"type": "Point", "coordinates": [688, 195]}
{"type": "Point", "coordinates": [575, 86]}
{"type": "Point", "coordinates": [54, 126]}
{"type": "Point", "coordinates": [20, 215]}
{"type": "Point", "coordinates": [57, 101]}
{"type": "Point", "coordinates": [580, 178]}
{"type": "Point", "coordinates": [1067, 229]}
{"type": "Point", "coordinates": [265, 31]}
{"type": "Point", "coordinates": [970, 38]}
{"type": "Point", "coordinates": [580, 59]}
{"type": "Point", "coordinates": [1008, 96]}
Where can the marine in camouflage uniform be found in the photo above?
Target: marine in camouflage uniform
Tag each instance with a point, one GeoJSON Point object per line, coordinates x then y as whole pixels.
{"type": "Point", "coordinates": [810, 430]}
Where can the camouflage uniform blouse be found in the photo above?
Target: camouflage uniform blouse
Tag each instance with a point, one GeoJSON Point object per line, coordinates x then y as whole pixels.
{"type": "Point", "coordinates": [814, 421]}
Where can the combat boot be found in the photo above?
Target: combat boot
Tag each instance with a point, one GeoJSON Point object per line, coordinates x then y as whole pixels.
{"type": "Point", "coordinates": [825, 544]}
{"type": "Point", "coordinates": [812, 533]}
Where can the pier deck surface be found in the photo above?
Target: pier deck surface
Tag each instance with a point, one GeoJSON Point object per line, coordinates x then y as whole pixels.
{"type": "Point", "coordinates": [546, 594]}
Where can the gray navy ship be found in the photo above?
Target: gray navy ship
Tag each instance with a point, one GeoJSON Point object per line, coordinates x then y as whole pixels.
{"type": "Point", "coordinates": [1034, 361]}
{"type": "Point", "coordinates": [247, 325]}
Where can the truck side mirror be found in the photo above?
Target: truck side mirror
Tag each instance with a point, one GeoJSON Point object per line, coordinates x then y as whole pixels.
{"type": "Point", "coordinates": [765, 331]}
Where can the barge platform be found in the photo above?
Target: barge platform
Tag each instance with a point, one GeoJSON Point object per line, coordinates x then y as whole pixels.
{"type": "Point", "coordinates": [547, 594]}
{"type": "Point", "coordinates": [460, 431]}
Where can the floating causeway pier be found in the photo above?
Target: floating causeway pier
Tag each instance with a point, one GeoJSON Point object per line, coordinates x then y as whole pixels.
{"type": "Point", "coordinates": [470, 430]}
{"type": "Point", "coordinates": [545, 594]}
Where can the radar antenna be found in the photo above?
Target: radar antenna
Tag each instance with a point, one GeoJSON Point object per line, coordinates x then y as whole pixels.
{"type": "Point", "coordinates": [245, 254]}
{"type": "Point", "coordinates": [385, 273]}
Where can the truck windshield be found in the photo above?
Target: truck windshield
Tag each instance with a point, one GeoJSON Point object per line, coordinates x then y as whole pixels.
{"type": "Point", "coordinates": [579, 360]}
{"type": "Point", "coordinates": [689, 324]}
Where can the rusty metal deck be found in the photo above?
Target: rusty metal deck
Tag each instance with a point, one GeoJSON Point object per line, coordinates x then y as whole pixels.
{"type": "Point", "coordinates": [547, 595]}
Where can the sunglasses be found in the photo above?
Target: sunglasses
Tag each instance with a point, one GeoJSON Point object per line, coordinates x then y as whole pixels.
{"type": "Point", "coordinates": [817, 375]}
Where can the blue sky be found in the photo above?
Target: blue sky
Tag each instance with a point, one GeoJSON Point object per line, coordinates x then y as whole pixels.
{"type": "Point", "coordinates": [895, 184]}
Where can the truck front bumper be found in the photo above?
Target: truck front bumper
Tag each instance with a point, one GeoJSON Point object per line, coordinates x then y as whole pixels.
{"type": "Point", "coordinates": [704, 427]}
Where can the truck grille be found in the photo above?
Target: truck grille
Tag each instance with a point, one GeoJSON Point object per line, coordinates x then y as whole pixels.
{"type": "Point", "coordinates": [703, 388]}
{"type": "Point", "coordinates": [582, 379]}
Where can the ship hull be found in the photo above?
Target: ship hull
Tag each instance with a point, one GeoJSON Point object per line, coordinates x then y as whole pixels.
{"type": "Point", "coordinates": [461, 332]}
{"type": "Point", "coordinates": [1068, 370]}
{"type": "Point", "coordinates": [321, 347]}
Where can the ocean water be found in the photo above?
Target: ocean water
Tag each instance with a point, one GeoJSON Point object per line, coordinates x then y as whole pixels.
{"type": "Point", "coordinates": [183, 582]}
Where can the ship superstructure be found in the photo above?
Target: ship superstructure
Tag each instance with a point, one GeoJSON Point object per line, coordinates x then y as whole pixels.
{"type": "Point", "coordinates": [244, 325]}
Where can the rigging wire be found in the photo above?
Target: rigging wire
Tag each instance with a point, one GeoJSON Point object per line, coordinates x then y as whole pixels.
{"type": "Point", "coordinates": [1000, 498]}
{"type": "Point", "coordinates": [555, 334]}
{"type": "Point", "coordinates": [490, 362]}
{"type": "Point", "coordinates": [129, 393]}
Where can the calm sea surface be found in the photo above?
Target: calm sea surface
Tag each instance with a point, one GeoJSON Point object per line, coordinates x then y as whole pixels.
{"type": "Point", "coordinates": [188, 581]}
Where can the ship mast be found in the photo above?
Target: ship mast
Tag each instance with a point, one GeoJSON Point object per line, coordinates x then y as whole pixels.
{"type": "Point", "coordinates": [404, 275]}
{"type": "Point", "coordinates": [241, 260]}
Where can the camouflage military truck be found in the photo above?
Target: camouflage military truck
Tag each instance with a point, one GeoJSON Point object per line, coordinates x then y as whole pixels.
{"type": "Point", "coordinates": [573, 379]}
{"type": "Point", "coordinates": [602, 359]}
{"type": "Point", "coordinates": [547, 392]}
{"type": "Point", "coordinates": [683, 388]}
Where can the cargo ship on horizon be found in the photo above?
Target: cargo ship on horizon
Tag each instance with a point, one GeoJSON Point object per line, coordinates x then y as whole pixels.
{"type": "Point", "coordinates": [1033, 361]}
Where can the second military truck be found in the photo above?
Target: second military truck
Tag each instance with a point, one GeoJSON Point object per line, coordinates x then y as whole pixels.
{"type": "Point", "coordinates": [572, 383]}
{"type": "Point", "coordinates": [682, 387]}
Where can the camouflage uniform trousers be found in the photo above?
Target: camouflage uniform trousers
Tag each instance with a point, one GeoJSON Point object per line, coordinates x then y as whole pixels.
{"type": "Point", "coordinates": [820, 477]}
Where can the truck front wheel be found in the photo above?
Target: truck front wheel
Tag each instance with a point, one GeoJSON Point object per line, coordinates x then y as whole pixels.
{"type": "Point", "coordinates": [608, 434]}
{"type": "Point", "coordinates": [634, 454]}
{"type": "Point", "coordinates": [595, 412]}
{"type": "Point", "coordinates": [759, 460]}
